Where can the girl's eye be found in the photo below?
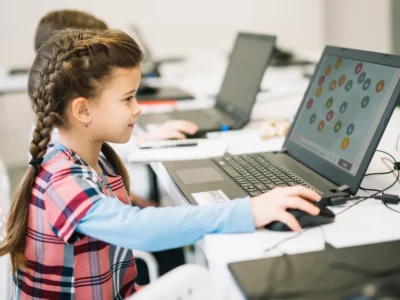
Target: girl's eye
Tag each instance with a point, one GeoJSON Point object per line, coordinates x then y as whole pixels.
{"type": "Point", "coordinates": [129, 99]}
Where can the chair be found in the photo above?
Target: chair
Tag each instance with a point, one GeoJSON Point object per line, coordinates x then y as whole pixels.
{"type": "Point", "coordinates": [151, 262]}
{"type": "Point", "coordinates": [187, 282]}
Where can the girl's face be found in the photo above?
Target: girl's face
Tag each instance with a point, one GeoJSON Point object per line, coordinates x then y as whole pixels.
{"type": "Point", "coordinates": [115, 110]}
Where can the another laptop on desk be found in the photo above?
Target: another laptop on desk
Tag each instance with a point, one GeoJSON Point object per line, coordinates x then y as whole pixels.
{"type": "Point", "coordinates": [250, 57]}
{"type": "Point", "coordinates": [150, 68]}
{"type": "Point", "coordinates": [334, 135]}
{"type": "Point", "coordinates": [360, 272]}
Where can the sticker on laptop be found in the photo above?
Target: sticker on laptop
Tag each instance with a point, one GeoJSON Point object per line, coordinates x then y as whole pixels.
{"type": "Point", "coordinates": [210, 197]}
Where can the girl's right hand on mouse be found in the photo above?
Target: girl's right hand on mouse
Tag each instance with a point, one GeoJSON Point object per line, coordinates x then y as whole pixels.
{"type": "Point", "coordinates": [273, 205]}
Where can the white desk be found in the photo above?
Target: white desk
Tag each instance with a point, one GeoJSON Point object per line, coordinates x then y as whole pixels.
{"type": "Point", "coordinates": [368, 222]}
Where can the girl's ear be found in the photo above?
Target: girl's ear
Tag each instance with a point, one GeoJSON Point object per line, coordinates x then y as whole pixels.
{"type": "Point", "coordinates": [81, 110]}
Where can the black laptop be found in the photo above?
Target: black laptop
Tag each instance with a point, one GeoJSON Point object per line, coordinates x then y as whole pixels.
{"type": "Point", "coordinates": [334, 135]}
{"type": "Point", "coordinates": [250, 57]}
{"type": "Point", "coordinates": [361, 272]}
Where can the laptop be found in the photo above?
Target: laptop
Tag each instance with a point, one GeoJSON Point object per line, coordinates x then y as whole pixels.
{"type": "Point", "coordinates": [250, 57]}
{"type": "Point", "coordinates": [360, 272]}
{"type": "Point", "coordinates": [332, 139]}
{"type": "Point", "coordinates": [150, 69]}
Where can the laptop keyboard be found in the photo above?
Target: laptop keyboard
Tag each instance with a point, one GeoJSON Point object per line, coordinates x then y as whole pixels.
{"type": "Point", "coordinates": [257, 175]}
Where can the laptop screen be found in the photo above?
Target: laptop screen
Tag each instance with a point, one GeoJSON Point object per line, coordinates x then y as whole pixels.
{"type": "Point", "coordinates": [343, 109]}
{"type": "Point", "coordinates": [249, 59]}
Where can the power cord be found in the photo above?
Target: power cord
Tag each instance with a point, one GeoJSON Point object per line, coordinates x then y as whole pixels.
{"type": "Point", "coordinates": [385, 198]}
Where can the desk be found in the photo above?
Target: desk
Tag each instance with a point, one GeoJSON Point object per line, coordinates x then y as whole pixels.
{"type": "Point", "coordinates": [368, 222]}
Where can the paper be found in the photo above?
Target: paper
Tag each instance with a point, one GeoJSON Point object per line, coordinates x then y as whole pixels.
{"type": "Point", "coordinates": [210, 197]}
{"type": "Point", "coordinates": [204, 149]}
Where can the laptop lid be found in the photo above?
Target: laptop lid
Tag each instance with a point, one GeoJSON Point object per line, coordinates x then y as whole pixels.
{"type": "Point", "coordinates": [344, 113]}
{"type": "Point", "coordinates": [148, 64]}
{"type": "Point", "coordinates": [250, 57]}
{"type": "Point", "coordinates": [327, 274]}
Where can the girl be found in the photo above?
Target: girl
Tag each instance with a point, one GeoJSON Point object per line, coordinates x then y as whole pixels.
{"type": "Point", "coordinates": [71, 223]}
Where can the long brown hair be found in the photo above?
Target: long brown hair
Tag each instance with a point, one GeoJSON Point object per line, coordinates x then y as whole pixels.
{"type": "Point", "coordinates": [62, 19]}
{"type": "Point", "coordinates": [73, 63]}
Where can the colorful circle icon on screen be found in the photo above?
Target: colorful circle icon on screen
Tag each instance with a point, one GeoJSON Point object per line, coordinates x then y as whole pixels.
{"type": "Point", "coordinates": [313, 118]}
{"type": "Point", "coordinates": [349, 85]}
{"type": "Point", "coordinates": [321, 80]}
{"type": "Point", "coordinates": [321, 126]}
{"type": "Point", "coordinates": [345, 143]}
{"type": "Point", "coordinates": [329, 102]}
{"type": "Point", "coordinates": [343, 107]}
{"type": "Point", "coordinates": [379, 86]}
{"type": "Point", "coordinates": [337, 126]}
{"type": "Point", "coordinates": [328, 70]}
{"type": "Point", "coordinates": [361, 77]}
{"type": "Point", "coordinates": [332, 85]}
{"type": "Point", "coordinates": [358, 68]}
{"type": "Point", "coordinates": [342, 79]}
{"type": "Point", "coordinates": [350, 129]}
{"type": "Point", "coordinates": [319, 91]}
{"type": "Point", "coordinates": [338, 63]}
{"type": "Point", "coordinates": [366, 84]}
{"type": "Point", "coordinates": [365, 102]}
{"type": "Point", "coordinates": [310, 103]}
{"type": "Point", "coordinates": [329, 115]}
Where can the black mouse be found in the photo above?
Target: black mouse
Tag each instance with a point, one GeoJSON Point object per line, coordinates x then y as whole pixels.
{"type": "Point", "coordinates": [325, 216]}
{"type": "Point", "coordinates": [197, 135]}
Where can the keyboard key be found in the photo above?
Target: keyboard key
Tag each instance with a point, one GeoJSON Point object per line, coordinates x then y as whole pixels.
{"type": "Point", "coordinates": [231, 171]}
{"type": "Point", "coordinates": [254, 194]}
{"type": "Point", "coordinates": [271, 185]}
{"type": "Point", "coordinates": [260, 186]}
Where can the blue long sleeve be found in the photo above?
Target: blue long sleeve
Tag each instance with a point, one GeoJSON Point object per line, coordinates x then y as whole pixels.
{"type": "Point", "coordinates": [156, 229]}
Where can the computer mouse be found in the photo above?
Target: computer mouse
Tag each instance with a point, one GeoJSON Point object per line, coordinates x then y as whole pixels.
{"type": "Point", "coordinates": [197, 135]}
{"type": "Point", "coordinates": [325, 216]}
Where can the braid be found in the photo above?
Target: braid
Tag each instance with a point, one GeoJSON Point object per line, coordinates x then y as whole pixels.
{"type": "Point", "coordinates": [71, 64]}
{"type": "Point", "coordinates": [43, 105]}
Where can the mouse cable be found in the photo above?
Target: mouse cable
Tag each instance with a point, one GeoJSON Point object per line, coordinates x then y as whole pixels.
{"type": "Point", "coordinates": [385, 198]}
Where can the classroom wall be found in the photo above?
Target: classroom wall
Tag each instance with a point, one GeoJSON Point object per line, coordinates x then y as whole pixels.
{"type": "Point", "coordinates": [362, 24]}
{"type": "Point", "coordinates": [171, 26]}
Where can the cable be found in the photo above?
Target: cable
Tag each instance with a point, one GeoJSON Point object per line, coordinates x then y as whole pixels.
{"type": "Point", "coordinates": [385, 198]}
{"type": "Point", "coordinates": [285, 240]}
{"type": "Point", "coordinates": [395, 210]}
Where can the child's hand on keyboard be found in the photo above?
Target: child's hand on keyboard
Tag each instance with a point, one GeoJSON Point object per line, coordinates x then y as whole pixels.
{"type": "Point", "coordinates": [273, 205]}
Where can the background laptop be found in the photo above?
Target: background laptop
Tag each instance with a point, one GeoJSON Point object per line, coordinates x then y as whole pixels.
{"type": "Point", "coordinates": [334, 135]}
{"type": "Point", "coordinates": [330, 274]}
{"type": "Point", "coordinates": [150, 69]}
{"type": "Point", "coordinates": [249, 59]}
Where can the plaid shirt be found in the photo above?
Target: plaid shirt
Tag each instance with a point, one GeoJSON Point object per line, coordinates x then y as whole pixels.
{"type": "Point", "coordinates": [64, 264]}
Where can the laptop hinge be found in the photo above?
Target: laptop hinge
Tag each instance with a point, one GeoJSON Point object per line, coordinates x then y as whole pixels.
{"type": "Point", "coordinates": [230, 111]}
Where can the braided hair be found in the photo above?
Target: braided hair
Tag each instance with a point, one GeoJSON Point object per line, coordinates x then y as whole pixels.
{"type": "Point", "coordinates": [72, 63]}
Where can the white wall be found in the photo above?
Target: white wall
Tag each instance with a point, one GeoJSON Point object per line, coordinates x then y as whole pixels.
{"type": "Point", "coordinates": [171, 26]}
{"type": "Point", "coordinates": [362, 24]}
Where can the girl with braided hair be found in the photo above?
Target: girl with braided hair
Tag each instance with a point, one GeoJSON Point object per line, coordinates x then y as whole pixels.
{"type": "Point", "coordinates": [71, 222]}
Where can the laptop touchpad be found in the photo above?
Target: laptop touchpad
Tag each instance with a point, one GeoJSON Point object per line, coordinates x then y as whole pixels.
{"type": "Point", "coordinates": [199, 175]}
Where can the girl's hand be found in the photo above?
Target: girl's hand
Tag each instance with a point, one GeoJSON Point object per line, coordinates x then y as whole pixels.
{"type": "Point", "coordinates": [272, 205]}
